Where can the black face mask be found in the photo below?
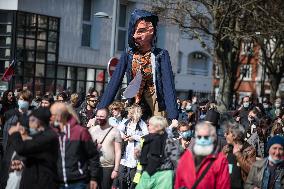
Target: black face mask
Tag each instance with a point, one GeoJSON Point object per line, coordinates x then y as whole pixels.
{"type": "Point", "coordinates": [101, 122]}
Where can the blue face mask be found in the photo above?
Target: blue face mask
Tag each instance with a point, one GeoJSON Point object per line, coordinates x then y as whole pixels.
{"type": "Point", "coordinates": [33, 131]}
{"type": "Point", "coordinates": [204, 142]}
{"type": "Point", "coordinates": [275, 162]}
{"type": "Point", "coordinates": [246, 104]}
{"type": "Point", "coordinates": [23, 105]}
{"type": "Point", "coordinates": [186, 134]}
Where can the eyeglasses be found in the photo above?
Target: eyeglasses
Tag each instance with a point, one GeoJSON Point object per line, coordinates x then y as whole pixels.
{"type": "Point", "coordinates": [205, 137]}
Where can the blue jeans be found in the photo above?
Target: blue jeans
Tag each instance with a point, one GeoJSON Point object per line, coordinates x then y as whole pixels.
{"type": "Point", "coordinates": [78, 185]}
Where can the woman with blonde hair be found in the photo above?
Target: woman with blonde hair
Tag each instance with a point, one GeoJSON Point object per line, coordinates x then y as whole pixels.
{"type": "Point", "coordinates": [131, 129]}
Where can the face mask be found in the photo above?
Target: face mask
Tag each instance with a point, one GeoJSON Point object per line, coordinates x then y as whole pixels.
{"type": "Point", "coordinates": [246, 104]}
{"type": "Point", "coordinates": [33, 131]}
{"type": "Point", "coordinates": [101, 122]}
{"type": "Point", "coordinates": [204, 142]}
{"type": "Point", "coordinates": [56, 123]}
{"type": "Point", "coordinates": [277, 105]}
{"type": "Point", "coordinates": [265, 106]}
{"type": "Point", "coordinates": [188, 107]}
{"type": "Point", "coordinates": [23, 105]}
{"type": "Point", "coordinates": [277, 161]}
{"type": "Point", "coordinates": [186, 134]}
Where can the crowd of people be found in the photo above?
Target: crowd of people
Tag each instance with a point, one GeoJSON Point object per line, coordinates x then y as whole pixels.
{"type": "Point", "coordinates": [66, 142]}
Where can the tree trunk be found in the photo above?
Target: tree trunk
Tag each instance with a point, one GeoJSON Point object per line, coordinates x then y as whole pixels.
{"type": "Point", "coordinates": [274, 85]}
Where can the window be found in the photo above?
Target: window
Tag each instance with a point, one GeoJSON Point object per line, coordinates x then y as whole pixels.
{"type": "Point", "coordinates": [200, 21]}
{"type": "Point", "coordinates": [122, 28]}
{"type": "Point", "coordinates": [179, 62]}
{"type": "Point", "coordinates": [247, 48]}
{"type": "Point", "coordinates": [217, 71]}
{"type": "Point", "coordinates": [198, 64]}
{"type": "Point", "coordinates": [86, 28]}
{"type": "Point", "coordinates": [246, 72]}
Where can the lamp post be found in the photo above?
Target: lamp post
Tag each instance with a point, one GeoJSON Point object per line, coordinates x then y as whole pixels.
{"type": "Point", "coordinates": [113, 26]}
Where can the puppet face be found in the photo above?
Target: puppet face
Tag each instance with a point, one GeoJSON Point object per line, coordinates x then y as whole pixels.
{"type": "Point", "coordinates": [143, 35]}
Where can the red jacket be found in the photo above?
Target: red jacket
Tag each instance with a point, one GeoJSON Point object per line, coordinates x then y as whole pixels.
{"type": "Point", "coordinates": [217, 176]}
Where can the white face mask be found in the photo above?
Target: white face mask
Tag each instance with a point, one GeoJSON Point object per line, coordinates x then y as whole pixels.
{"type": "Point", "coordinates": [277, 105]}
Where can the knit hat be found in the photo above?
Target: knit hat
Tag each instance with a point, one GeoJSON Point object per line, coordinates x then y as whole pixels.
{"type": "Point", "coordinates": [213, 117]}
{"type": "Point", "coordinates": [275, 140]}
{"type": "Point", "coordinates": [43, 114]}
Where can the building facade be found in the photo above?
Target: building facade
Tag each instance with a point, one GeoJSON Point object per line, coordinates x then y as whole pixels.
{"type": "Point", "coordinates": [61, 45]}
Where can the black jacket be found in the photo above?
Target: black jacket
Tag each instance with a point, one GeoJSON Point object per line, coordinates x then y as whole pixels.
{"type": "Point", "coordinates": [79, 158]}
{"type": "Point", "coordinates": [41, 153]}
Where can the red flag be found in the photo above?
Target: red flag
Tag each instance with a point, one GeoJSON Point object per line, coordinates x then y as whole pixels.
{"type": "Point", "coordinates": [9, 72]}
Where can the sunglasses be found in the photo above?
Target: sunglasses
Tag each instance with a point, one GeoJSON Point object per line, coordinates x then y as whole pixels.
{"type": "Point", "coordinates": [92, 100]}
{"type": "Point", "coordinates": [205, 137]}
{"type": "Point", "coordinates": [115, 108]}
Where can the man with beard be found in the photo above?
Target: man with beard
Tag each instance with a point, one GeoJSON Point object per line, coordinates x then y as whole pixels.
{"type": "Point", "coordinates": [203, 168]}
{"type": "Point", "coordinates": [88, 112]}
{"type": "Point", "coordinates": [108, 142]}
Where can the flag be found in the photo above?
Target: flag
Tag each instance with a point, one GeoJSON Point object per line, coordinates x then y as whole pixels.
{"type": "Point", "coordinates": [9, 72]}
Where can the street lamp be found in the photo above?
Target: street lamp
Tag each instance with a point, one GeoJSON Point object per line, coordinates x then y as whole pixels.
{"type": "Point", "coordinates": [113, 26]}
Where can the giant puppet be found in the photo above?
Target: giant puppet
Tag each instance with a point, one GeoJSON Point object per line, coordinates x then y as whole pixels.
{"type": "Point", "coordinates": [148, 69]}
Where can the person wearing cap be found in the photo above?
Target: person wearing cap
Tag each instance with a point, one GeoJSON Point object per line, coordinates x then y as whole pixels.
{"type": "Point", "coordinates": [269, 172]}
{"type": "Point", "coordinates": [40, 149]}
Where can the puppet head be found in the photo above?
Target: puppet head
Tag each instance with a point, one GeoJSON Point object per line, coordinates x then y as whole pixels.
{"type": "Point", "coordinates": [142, 31]}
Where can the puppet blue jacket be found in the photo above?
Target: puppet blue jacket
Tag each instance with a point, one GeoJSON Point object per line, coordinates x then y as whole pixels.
{"type": "Point", "coordinates": [164, 79]}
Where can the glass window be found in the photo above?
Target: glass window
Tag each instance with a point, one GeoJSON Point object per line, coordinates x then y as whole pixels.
{"type": "Point", "coordinates": [31, 20]}
{"type": "Point", "coordinates": [50, 57]}
{"type": "Point", "coordinates": [81, 74]}
{"type": "Point", "coordinates": [2, 66]}
{"type": "Point", "coordinates": [51, 47]}
{"type": "Point", "coordinates": [41, 45]}
{"type": "Point", "coordinates": [21, 20]}
{"type": "Point", "coordinates": [52, 36]}
{"type": "Point", "coordinates": [29, 69]}
{"type": "Point", "coordinates": [100, 76]}
{"type": "Point", "coordinates": [49, 85]}
{"type": "Point", "coordinates": [50, 70]}
{"type": "Point", "coordinates": [87, 10]}
{"type": "Point", "coordinates": [41, 34]}
{"type": "Point", "coordinates": [61, 71]}
{"type": "Point", "coordinates": [20, 42]}
{"type": "Point", "coordinates": [6, 17]}
{"type": "Point", "coordinates": [91, 74]}
{"type": "Point", "coordinates": [19, 69]}
{"type": "Point", "coordinates": [71, 73]}
{"type": "Point", "coordinates": [30, 56]}
{"type": "Point", "coordinates": [122, 15]}
{"type": "Point", "coordinates": [40, 70]}
{"type": "Point", "coordinates": [5, 41]}
{"type": "Point", "coordinates": [80, 86]}
{"type": "Point", "coordinates": [31, 32]}
{"type": "Point", "coordinates": [38, 86]}
{"type": "Point", "coordinates": [60, 85]}
{"type": "Point", "coordinates": [86, 35]}
{"type": "Point", "coordinates": [71, 86]}
{"type": "Point", "coordinates": [53, 23]}
{"type": "Point", "coordinates": [40, 57]}
{"type": "Point", "coordinates": [42, 21]}
{"type": "Point", "coordinates": [30, 44]}
{"type": "Point", "coordinates": [89, 85]}
{"type": "Point", "coordinates": [18, 82]}
{"type": "Point", "coordinates": [28, 83]}
{"type": "Point", "coordinates": [121, 39]}
{"type": "Point", "coordinates": [5, 29]}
